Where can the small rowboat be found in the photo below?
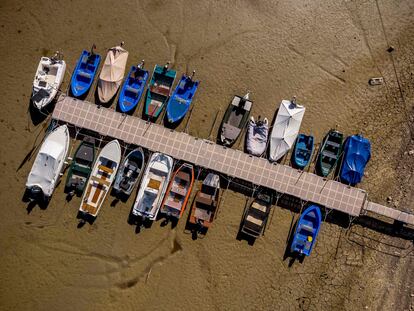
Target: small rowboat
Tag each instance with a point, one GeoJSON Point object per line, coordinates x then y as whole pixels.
{"type": "Point", "coordinates": [133, 88]}
{"type": "Point", "coordinates": [206, 201]}
{"type": "Point", "coordinates": [256, 216]}
{"type": "Point", "coordinates": [81, 167]}
{"type": "Point", "coordinates": [49, 76]}
{"type": "Point", "coordinates": [159, 90]}
{"type": "Point", "coordinates": [130, 172]}
{"type": "Point", "coordinates": [85, 72]}
{"type": "Point", "coordinates": [306, 231]}
{"type": "Point", "coordinates": [302, 153]}
{"type": "Point", "coordinates": [329, 153]}
{"type": "Point", "coordinates": [235, 119]}
{"type": "Point", "coordinates": [181, 99]}
{"type": "Point", "coordinates": [153, 186]}
{"type": "Point", "coordinates": [178, 191]}
{"type": "Point", "coordinates": [102, 176]}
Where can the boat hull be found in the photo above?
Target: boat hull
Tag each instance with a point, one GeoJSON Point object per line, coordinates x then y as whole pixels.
{"type": "Point", "coordinates": [302, 153]}
{"type": "Point", "coordinates": [130, 172]}
{"type": "Point", "coordinates": [132, 89]}
{"type": "Point", "coordinates": [84, 73]}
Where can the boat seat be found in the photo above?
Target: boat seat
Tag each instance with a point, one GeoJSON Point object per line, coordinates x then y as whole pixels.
{"type": "Point", "coordinates": [89, 208]}
{"type": "Point", "coordinates": [105, 169]}
{"type": "Point", "coordinates": [183, 176]}
{"type": "Point", "coordinates": [307, 227]}
{"type": "Point", "coordinates": [333, 144]}
{"type": "Point", "coordinates": [154, 184]}
{"type": "Point", "coordinates": [99, 188]}
{"type": "Point", "coordinates": [84, 74]}
{"type": "Point", "coordinates": [259, 207]}
{"type": "Point", "coordinates": [204, 198]}
{"type": "Point", "coordinates": [254, 220]}
{"type": "Point", "coordinates": [160, 89]}
{"type": "Point", "coordinates": [101, 181]}
{"type": "Point", "coordinates": [124, 184]}
{"type": "Point", "coordinates": [329, 154]}
{"type": "Point", "coordinates": [132, 90]}
{"type": "Point", "coordinates": [173, 204]}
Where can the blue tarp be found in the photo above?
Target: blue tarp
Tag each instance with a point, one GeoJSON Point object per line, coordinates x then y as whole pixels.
{"type": "Point", "coordinates": [357, 152]}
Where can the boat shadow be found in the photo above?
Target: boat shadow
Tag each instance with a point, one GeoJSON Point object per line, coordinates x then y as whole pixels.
{"type": "Point", "coordinates": [37, 116]}
{"type": "Point", "coordinates": [105, 105]}
{"type": "Point", "coordinates": [84, 218]}
{"type": "Point", "coordinates": [139, 222]}
{"type": "Point", "coordinates": [32, 202]}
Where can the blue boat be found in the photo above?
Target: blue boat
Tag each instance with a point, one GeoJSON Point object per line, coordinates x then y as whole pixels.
{"type": "Point", "coordinates": [180, 100]}
{"type": "Point", "coordinates": [159, 90]}
{"type": "Point", "coordinates": [85, 71]}
{"type": "Point", "coordinates": [306, 231]}
{"type": "Point", "coordinates": [133, 88]}
{"type": "Point", "coordinates": [302, 153]}
{"type": "Point", "coordinates": [357, 152]}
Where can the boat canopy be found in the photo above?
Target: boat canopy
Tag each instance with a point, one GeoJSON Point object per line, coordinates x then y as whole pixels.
{"type": "Point", "coordinates": [357, 152]}
{"type": "Point", "coordinates": [257, 133]}
{"type": "Point", "coordinates": [285, 129]}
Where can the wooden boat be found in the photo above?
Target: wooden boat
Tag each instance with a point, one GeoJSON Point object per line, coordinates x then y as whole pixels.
{"type": "Point", "coordinates": [285, 128]}
{"type": "Point", "coordinates": [302, 153]}
{"type": "Point", "coordinates": [180, 101]}
{"type": "Point", "coordinates": [81, 167]}
{"type": "Point", "coordinates": [329, 153]}
{"type": "Point", "coordinates": [206, 202]}
{"type": "Point", "coordinates": [130, 172]}
{"type": "Point", "coordinates": [357, 152]}
{"type": "Point", "coordinates": [133, 88]}
{"type": "Point", "coordinates": [178, 191]}
{"type": "Point", "coordinates": [235, 119]}
{"type": "Point", "coordinates": [84, 73]}
{"type": "Point", "coordinates": [256, 216]}
{"type": "Point", "coordinates": [112, 73]}
{"type": "Point", "coordinates": [153, 186]}
{"type": "Point", "coordinates": [49, 76]}
{"type": "Point", "coordinates": [306, 231]}
{"type": "Point", "coordinates": [159, 90]}
{"type": "Point", "coordinates": [48, 165]}
{"type": "Point", "coordinates": [257, 135]}
{"type": "Point", "coordinates": [101, 178]}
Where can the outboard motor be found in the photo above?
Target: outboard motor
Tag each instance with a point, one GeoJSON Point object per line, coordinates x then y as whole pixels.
{"type": "Point", "coordinates": [36, 194]}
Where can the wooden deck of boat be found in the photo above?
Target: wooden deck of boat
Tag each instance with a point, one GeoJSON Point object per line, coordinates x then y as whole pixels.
{"type": "Point", "coordinates": [234, 163]}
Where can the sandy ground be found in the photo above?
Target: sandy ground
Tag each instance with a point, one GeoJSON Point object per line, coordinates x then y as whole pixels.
{"type": "Point", "coordinates": [322, 51]}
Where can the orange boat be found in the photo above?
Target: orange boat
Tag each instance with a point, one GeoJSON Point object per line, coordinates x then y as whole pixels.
{"type": "Point", "coordinates": [206, 201]}
{"type": "Point", "coordinates": [178, 191]}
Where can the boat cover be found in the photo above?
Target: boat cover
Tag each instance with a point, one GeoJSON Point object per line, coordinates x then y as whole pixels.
{"type": "Point", "coordinates": [285, 129]}
{"type": "Point", "coordinates": [257, 133]}
{"type": "Point", "coordinates": [112, 73]}
{"type": "Point", "coordinates": [357, 152]}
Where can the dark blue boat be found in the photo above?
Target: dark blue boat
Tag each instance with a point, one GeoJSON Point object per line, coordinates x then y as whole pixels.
{"type": "Point", "coordinates": [133, 88]}
{"type": "Point", "coordinates": [357, 152]}
{"type": "Point", "coordinates": [180, 101]}
{"type": "Point", "coordinates": [85, 71]}
{"type": "Point", "coordinates": [302, 154]}
{"type": "Point", "coordinates": [306, 231]}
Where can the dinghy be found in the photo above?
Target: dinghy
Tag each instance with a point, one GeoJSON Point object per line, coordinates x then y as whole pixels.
{"type": "Point", "coordinates": [235, 119]}
{"type": "Point", "coordinates": [47, 81]}
{"type": "Point", "coordinates": [112, 73]}
{"type": "Point", "coordinates": [101, 179]}
{"type": "Point", "coordinates": [329, 153]}
{"type": "Point", "coordinates": [84, 74]}
{"type": "Point", "coordinates": [307, 229]}
{"type": "Point", "coordinates": [285, 129]}
{"type": "Point", "coordinates": [256, 138]}
{"type": "Point", "coordinates": [133, 88]}
{"type": "Point", "coordinates": [48, 165]}
{"type": "Point", "coordinates": [302, 153]}
{"type": "Point", "coordinates": [153, 186]}
{"type": "Point", "coordinates": [178, 191]}
{"type": "Point", "coordinates": [357, 152]}
{"type": "Point", "coordinates": [130, 172]}
{"type": "Point", "coordinates": [81, 167]}
{"type": "Point", "coordinates": [159, 90]}
{"type": "Point", "coordinates": [181, 99]}
{"type": "Point", "coordinates": [206, 202]}
{"type": "Point", "coordinates": [256, 216]}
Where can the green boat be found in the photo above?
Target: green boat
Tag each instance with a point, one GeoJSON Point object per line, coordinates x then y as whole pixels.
{"type": "Point", "coordinates": [329, 153]}
{"type": "Point", "coordinates": [81, 167]}
{"type": "Point", "coordinates": [159, 90]}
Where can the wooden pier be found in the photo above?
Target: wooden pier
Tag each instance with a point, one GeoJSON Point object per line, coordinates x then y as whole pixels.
{"type": "Point", "coordinates": [204, 153]}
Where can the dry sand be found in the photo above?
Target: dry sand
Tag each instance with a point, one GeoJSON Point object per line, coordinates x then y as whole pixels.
{"type": "Point", "coordinates": [322, 51]}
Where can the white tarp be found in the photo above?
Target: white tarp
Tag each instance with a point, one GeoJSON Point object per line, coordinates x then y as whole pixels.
{"type": "Point", "coordinates": [285, 129]}
{"type": "Point", "coordinates": [112, 73]}
{"type": "Point", "coordinates": [257, 134]}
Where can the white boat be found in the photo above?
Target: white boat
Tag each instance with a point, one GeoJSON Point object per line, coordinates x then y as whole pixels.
{"type": "Point", "coordinates": [101, 179]}
{"type": "Point", "coordinates": [47, 81]}
{"type": "Point", "coordinates": [153, 186]}
{"type": "Point", "coordinates": [48, 164]}
{"type": "Point", "coordinates": [256, 138]}
{"type": "Point", "coordinates": [112, 73]}
{"type": "Point", "coordinates": [285, 129]}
